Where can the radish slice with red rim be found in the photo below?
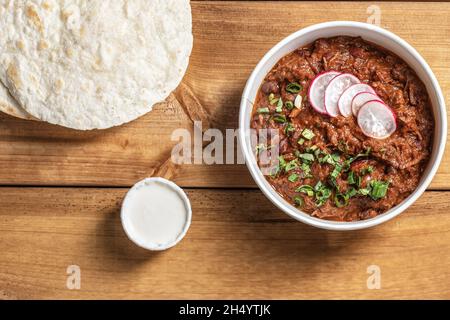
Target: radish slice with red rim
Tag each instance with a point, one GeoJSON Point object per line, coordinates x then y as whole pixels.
{"type": "Point", "coordinates": [362, 98]}
{"type": "Point", "coordinates": [334, 91]}
{"type": "Point", "coordinates": [377, 120]}
{"type": "Point", "coordinates": [316, 93]}
{"type": "Point", "coordinates": [345, 101]}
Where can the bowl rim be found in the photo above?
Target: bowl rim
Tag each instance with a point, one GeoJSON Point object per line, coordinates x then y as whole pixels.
{"type": "Point", "coordinates": [299, 215]}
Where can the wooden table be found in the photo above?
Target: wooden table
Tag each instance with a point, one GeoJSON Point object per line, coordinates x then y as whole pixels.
{"type": "Point", "coordinates": [61, 190]}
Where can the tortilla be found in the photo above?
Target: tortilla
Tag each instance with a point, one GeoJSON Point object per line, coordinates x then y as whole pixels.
{"type": "Point", "coordinates": [10, 106]}
{"type": "Point", "coordinates": [93, 64]}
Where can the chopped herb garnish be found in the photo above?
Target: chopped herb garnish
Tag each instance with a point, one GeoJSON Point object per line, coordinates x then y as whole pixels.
{"type": "Point", "coordinates": [337, 170]}
{"type": "Point", "coordinates": [298, 201]}
{"type": "Point", "coordinates": [289, 105]}
{"type": "Point", "coordinates": [294, 87]}
{"type": "Point", "coordinates": [281, 162]}
{"type": "Point", "coordinates": [293, 177]}
{"type": "Point", "coordinates": [306, 168]}
{"type": "Point", "coordinates": [306, 189]}
{"type": "Point", "coordinates": [341, 200]}
{"type": "Point", "coordinates": [279, 108]}
{"type": "Point", "coordinates": [263, 110]}
{"type": "Point", "coordinates": [288, 128]}
{"type": "Point", "coordinates": [351, 192]}
{"type": "Point", "coordinates": [364, 192]}
{"type": "Point", "coordinates": [291, 165]}
{"type": "Point", "coordinates": [322, 193]}
{"type": "Point", "coordinates": [379, 189]}
{"type": "Point", "coordinates": [351, 178]}
{"type": "Point", "coordinates": [336, 157]}
{"type": "Point", "coordinates": [279, 118]}
{"type": "Point", "coordinates": [358, 181]}
{"type": "Point", "coordinates": [308, 134]}
{"type": "Point", "coordinates": [272, 99]}
{"type": "Point", "coordinates": [318, 185]}
{"type": "Point", "coordinates": [301, 141]}
{"type": "Point", "coordinates": [306, 156]}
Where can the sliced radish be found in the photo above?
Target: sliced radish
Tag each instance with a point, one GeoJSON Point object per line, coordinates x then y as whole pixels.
{"type": "Point", "coordinates": [316, 91]}
{"type": "Point", "coordinates": [361, 99]}
{"type": "Point", "coordinates": [334, 91]}
{"type": "Point", "coordinates": [345, 101]}
{"type": "Point", "coordinates": [377, 120]}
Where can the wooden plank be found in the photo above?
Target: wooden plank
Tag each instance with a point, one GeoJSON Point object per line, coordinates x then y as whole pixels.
{"type": "Point", "coordinates": [230, 38]}
{"type": "Point", "coordinates": [239, 246]}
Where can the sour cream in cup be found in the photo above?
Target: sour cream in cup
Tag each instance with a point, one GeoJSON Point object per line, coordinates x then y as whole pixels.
{"type": "Point", "coordinates": [156, 214]}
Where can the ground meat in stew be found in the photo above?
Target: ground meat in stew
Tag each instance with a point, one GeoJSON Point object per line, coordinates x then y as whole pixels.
{"type": "Point", "coordinates": [327, 166]}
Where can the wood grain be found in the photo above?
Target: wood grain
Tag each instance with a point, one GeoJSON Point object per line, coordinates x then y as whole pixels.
{"type": "Point", "coordinates": [230, 38]}
{"type": "Point", "coordinates": [239, 246]}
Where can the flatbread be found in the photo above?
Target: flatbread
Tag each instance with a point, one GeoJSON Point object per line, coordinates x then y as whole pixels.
{"type": "Point", "coordinates": [93, 64]}
{"type": "Point", "coordinates": [10, 106]}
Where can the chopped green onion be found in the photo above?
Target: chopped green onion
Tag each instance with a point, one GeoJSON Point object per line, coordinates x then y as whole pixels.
{"type": "Point", "coordinates": [306, 168]}
{"type": "Point", "coordinates": [289, 128]}
{"type": "Point", "coordinates": [301, 141]}
{"type": "Point", "coordinates": [341, 200]}
{"type": "Point", "coordinates": [308, 134]}
{"type": "Point", "coordinates": [337, 170]}
{"type": "Point", "coordinates": [306, 189]}
{"type": "Point", "coordinates": [336, 157]}
{"type": "Point", "coordinates": [282, 162]}
{"type": "Point", "coordinates": [317, 153]}
{"type": "Point", "coordinates": [351, 178]}
{"type": "Point", "coordinates": [364, 192]}
{"type": "Point", "coordinates": [263, 110]}
{"type": "Point", "coordinates": [306, 156]}
{"type": "Point", "coordinates": [279, 118]}
{"type": "Point", "coordinates": [351, 193]}
{"type": "Point", "coordinates": [318, 186]}
{"type": "Point", "coordinates": [379, 189]}
{"type": "Point", "coordinates": [294, 87]}
{"type": "Point", "coordinates": [291, 165]}
{"type": "Point", "coordinates": [289, 105]}
{"type": "Point", "coordinates": [272, 99]}
{"type": "Point", "coordinates": [358, 181]}
{"type": "Point", "coordinates": [293, 177]}
{"type": "Point", "coordinates": [279, 106]}
{"type": "Point", "coordinates": [298, 201]}
{"type": "Point", "coordinates": [322, 196]}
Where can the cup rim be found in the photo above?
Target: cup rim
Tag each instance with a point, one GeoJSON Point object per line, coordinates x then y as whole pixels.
{"type": "Point", "coordinates": [297, 214]}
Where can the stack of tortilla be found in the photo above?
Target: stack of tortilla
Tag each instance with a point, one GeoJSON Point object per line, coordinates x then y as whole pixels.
{"type": "Point", "coordinates": [91, 64]}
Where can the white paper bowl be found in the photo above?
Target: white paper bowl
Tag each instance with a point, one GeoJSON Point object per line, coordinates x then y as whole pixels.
{"type": "Point", "coordinates": [373, 34]}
